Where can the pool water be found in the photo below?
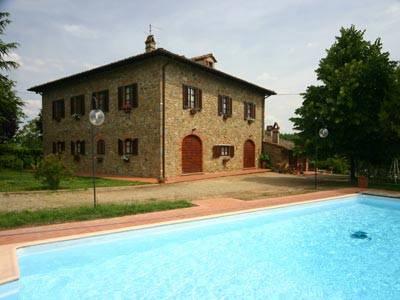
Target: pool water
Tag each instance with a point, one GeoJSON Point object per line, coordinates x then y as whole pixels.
{"type": "Point", "coordinates": [338, 249]}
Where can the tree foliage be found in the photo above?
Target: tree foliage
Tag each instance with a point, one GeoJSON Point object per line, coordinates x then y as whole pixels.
{"type": "Point", "coordinates": [359, 90]}
{"type": "Point", "coordinates": [10, 103]}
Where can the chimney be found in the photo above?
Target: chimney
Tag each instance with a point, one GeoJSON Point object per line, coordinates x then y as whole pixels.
{"type": "Point", "coordinates": [275, 133]}
{"type": "Point", "coordinates": [150, 43]}
{"type": "Point", "coordinates": [207, 60]}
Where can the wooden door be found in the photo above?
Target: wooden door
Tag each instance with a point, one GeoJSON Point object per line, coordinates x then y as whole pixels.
{"type": "Point", "coordinates": [192, 155]}
{"type": "Point", "coordinates": [249, 154]}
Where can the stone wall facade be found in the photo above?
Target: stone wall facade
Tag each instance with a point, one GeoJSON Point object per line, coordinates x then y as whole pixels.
{"type": "Point", "coordinates": [211, 128]}
{"type": "Point", "coordinates": [146, 121]}
{"type": "Point", "coordinates": [142, 122]}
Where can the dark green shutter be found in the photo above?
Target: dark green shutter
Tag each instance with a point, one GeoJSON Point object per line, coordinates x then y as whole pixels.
{"type": "Point", "coordinates": [219, 105]}
{"type": "Point", "coordinates": [185, 97]}
{"type": "Point", "coordinates": [120, 147]}
{"type": "Point", "coordinates": [135, 95]}
{"type": "Point", "coordinates": [72, 105]}
{"type": "Point", "coordinates": [120, 97]}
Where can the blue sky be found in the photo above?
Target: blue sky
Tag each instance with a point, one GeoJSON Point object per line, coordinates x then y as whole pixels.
{"type": "Point", "coordinates": [276, 44]}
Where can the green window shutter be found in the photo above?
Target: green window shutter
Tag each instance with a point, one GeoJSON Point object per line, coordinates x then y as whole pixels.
{"type": "Point", "coordinates": [83, 147]}
{"type": "Point", "coordinates": [120, 147]}
{"type": "Point", "coordinates": [82, 104]}
{"type": "Point", "coordinates": [120, 98]}
{"type": "Point", "coordinates": [219, 105]}
{"type": "Point", "coordinates": [72, 148]}
{"type": "Point", "coordinates": [135, 95]}
{"type": "Point", "coordinates": [72, 105]}
{"type": "Point", "coordinates": [198, 99]}
{"type": "Point", "coordinates": [135, 146]}
{"type": "Point", "coordinates": [229, 107]}
{"type": "Point", "coordinates": [185, 99]}
{"type": "Point", "coordinates": [62, 108]}
{"type": "Point", "coordinates": [216, 151]}
{"type": "Point", "coordinates": [232, 151]}
{"type": "Point", "coordinates": [94, 100]}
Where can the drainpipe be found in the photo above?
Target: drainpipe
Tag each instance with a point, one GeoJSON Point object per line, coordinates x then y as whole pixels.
{"type": "Point", "coordinates": [162, 104]}
{"type": "Point", "coordinates": [263, 122]}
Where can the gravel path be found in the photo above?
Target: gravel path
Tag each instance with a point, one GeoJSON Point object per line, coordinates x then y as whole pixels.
{"type": "Point", "coordinates": [245, 187]}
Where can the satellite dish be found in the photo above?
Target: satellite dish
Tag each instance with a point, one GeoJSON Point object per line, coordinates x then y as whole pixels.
{"type": "Point", "coordinates": [323, 133]}
{"type": "Point", "coordinates": [96, 117]}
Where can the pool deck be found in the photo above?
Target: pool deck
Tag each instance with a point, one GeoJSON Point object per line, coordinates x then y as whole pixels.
{"type": "Point", "coordinates": [10, 240]}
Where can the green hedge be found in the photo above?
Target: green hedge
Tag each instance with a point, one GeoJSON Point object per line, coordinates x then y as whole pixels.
{"type": "Point", "coordinates": [16, 157]}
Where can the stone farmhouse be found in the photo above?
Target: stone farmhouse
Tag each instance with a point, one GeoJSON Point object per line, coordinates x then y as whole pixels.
{"type": "Point", "coordinates": [165, 116]}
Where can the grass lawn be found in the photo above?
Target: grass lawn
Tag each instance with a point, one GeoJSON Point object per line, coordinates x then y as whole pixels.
{"type": "Point", "coordinates": [385, 186]}
{"type": "Point", "coordinates": [80, 213]}
{"type": "Point", "coordinates": [14, 181]}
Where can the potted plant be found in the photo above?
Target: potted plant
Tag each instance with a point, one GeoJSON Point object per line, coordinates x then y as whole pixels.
{"type": "Point", "coordinates": [264, 160]}
{"type": "Point", "coordinates": [363, 179]}
{"type": "Point", "coordinates": [127, 107]}
{"type": "Point", "coordinates": [125, 158]}
{"type": "Point", "coordinates": [76, 116]}
{"type": "Point", "coordinates": [250, 120]}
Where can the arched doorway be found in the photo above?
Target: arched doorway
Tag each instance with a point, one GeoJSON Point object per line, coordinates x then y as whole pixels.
{"type": "Point", "coordinates": [192, 154]}
{"type": "Point", "coordinates": [249, 154]}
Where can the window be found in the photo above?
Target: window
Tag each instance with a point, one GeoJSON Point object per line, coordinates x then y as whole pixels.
{"type": "Point", "coordinates": [128, 97]}
{"type": "Point", "coordinates": [192, 98]}
{"type": "Point", "coordinates": [78, 105]}
{"type": "Point", "coordinates": [100, 100]}
{"type": "Point", "coordinates": [78, 147]}
{"type": "Point", "coordinates": [223, 150]}
{"type": "Point", "coordinates": [249, 111]}
{"type": "Point", "coordinates": [58, 110]}
{"type": "Point", "coordinates": [58, 147]}
{"type": "Point", "coordinates": [101, 147]}
{"type": "Point", "coordinates": [128, 147]}
{"type": "Point", "coordinates": [224, 106]}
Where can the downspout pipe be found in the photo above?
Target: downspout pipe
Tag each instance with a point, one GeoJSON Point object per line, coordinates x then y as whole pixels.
{"type": "Point", "coordinates": [263, 122]}
{"type": "Point", "coordinates": [162, 104]}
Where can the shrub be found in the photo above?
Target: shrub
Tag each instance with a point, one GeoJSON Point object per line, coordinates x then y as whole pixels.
{"type": "Point", "coordinates": [51, 170]}
{"type": "Point", "coordinates": [265, 160]}
{"type": "Point", "coordinates": [337, 165]}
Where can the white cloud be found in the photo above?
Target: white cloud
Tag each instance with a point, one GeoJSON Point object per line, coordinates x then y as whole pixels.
{"type": "Point", "coordinates": [13, 56]}
{"type": "Point", "coordinates": [266, 77]}
{"type": "Point", "coordinates": [311, 44]}
{"type": "Point", "coordinates": [39, 65]}
{"type": "Point", "coordinates": [80, 31]}
{"type": "Point", "coordinates": [88, 66]}
{"type": "Point", "coordinates": [393, 9]}
{"type": "Point", "coordinates": [32, 108]}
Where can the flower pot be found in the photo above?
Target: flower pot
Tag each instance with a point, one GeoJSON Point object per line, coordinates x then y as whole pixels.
{"type": "Point", "coordinates": [363, 182]}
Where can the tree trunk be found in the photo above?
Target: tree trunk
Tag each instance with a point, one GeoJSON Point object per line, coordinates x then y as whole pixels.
{"type": "Point", "coordinates": [353, 178]}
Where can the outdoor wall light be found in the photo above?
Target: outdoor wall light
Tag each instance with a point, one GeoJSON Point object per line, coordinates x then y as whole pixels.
{"type": "Point", "coordinates": [96, 118]}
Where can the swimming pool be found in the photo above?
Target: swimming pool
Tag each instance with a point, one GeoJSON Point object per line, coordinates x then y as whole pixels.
{"type": "Point", "coordinates": [346, 248]}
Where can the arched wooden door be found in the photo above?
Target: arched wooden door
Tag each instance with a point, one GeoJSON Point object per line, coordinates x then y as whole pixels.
{"type": "Point", "coordinates": [192, 154]}
{"type": "Point", "coordinates": [249, 154]}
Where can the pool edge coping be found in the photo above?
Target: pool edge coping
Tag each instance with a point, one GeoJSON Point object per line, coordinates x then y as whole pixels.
{"type": "Point", "coordinates": [12, 248]}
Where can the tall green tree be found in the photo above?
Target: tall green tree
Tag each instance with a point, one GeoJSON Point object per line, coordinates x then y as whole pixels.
{"type": "Point", "coordinates": [354, 101]}
{"type": "Point", "coordinates": [10, 104]}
